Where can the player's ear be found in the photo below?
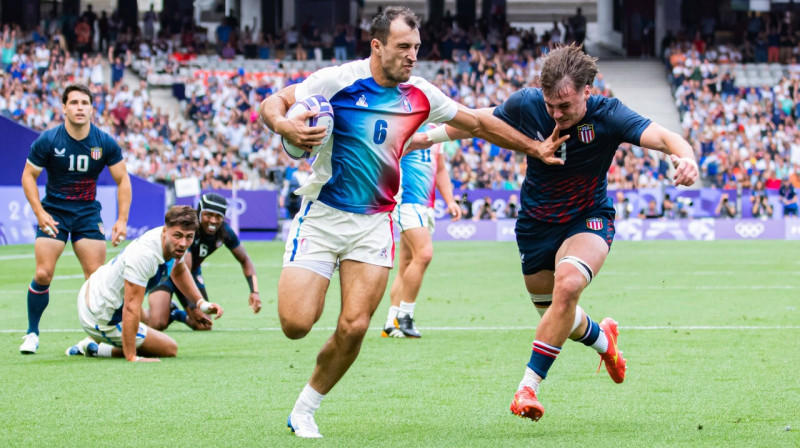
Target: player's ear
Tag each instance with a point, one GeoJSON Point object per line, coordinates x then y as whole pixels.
{"type": "Point", "coordinates": [587, 91]}
{"type": "Point", "coordinates": [375, 44]}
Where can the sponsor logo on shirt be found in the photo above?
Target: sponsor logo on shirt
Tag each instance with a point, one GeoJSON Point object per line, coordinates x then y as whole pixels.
{"type": "Point", "coordinates": [60, 152]}
{"type": "Point", "coordinates": [406, 105]}
{"type": "Point", "coordinates": [362, 101]}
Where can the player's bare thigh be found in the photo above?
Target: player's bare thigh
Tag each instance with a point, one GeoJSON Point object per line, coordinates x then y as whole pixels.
{"type": "Point", "coordinates": [590, 248]}
{"type": "Point", "coordinates": [421, 244]}
{"type": "Point", "coordinates": [91, 254]}
{"type": "Point", "coordinates": [157, 314]}
{"type": "Point", "coordinates": [301, 298]}
{"type": "Point", "coordinates": [157, 344]}
{"type": "Point", "coordinates": [47, 251]}
{"type": "Point", "coordinates": [363, 286]}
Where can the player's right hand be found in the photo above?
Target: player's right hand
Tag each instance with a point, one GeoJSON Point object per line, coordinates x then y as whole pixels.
{"type": "Point", "coordinates": [546, 150]}
{"type": "Point", "coordinates": [143, 359]}
{"type": "Point", "coordinates": [47, 224]}
{"type": "Point", "coordinates": [297, 133]}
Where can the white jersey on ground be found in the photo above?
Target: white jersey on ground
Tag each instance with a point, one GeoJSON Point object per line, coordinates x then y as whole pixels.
{"type": "Point", "coordinates": [141, 263]}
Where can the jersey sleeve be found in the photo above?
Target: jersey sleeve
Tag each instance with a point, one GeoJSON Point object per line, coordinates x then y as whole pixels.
{"type": "Point", "coordinates": [113, 153]}
{"type": "Point", "coordinates": [625, 124]}
{"type": "Point", "coordinates": [442, 108]}
{"type": "Point", "coordinates": [325, 82]}
{"type": "Point", "coordinates": [510, 110]}
{"type": "Point", "coordinates": [139, 267]}
{"type": "Point", "coordinates": [231, 239]}
{"type": "Point", "coordinates": [38, 155]}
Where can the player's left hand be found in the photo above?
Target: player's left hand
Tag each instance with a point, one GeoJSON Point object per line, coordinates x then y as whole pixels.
{"type": "Point", "coordinates": [686, 170]}
{"type": "Point", "coordinates": [454, 210]}
{"type": "Point", "coordinates": [255, 302]}
{"type": "Point", "coordinates": [119, 232]}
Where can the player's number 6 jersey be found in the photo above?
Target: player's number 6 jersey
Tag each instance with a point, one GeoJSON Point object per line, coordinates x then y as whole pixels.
{"type": "Point", "coordinates": [360, 172]}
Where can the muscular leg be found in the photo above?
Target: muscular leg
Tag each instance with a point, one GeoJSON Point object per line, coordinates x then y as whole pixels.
{"type": "Point", "coordinates": [417, 243]}
{"type": "Point", "coordinates": [157, 314]}
{"type": "Point", "coordinates": [47, 251]}
{"type": "Point", "coordinates": [91, 254]}
{"type": "Point", "coordinates": [156, 345]}
{"type": "Point", "coordinates": [301, 298]}
{"type": "Point", "coordinates": [542, 283]}
{"type": "Point", "coordinates": [569, 282]}
{"type": "Point", "coordinates": [404, 259]}
{"type": "Point", "coordinates": [363, 286]}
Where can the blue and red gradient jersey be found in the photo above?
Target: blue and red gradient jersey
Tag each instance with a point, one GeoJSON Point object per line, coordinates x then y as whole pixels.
{"type": "Point", "coordinates": [561, 193]}
{"type": "Point", "coordinates": [73, 166]}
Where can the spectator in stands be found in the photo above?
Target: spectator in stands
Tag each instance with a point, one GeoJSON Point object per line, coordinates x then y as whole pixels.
{"type": "Point", "coordinates": [486, 211]}
{"type": "Point", "coordinates": [725, 208]}
{"type": "Point", "coordinates": [788, 198]}
{"type": "Point", "coordinates": [651, 211]}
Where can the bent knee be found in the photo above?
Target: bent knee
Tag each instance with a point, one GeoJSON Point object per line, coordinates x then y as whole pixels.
{"type": "Point", "coordinates": [171, 350]}
{"type": "Point", "coordinates": [43, 276]}
{"type": "Point", "coordinates": [353, 328]}
{"type": "Point", "coordinates": [424, 257]}
{"type": "Point", "coordinates": [295, 330]}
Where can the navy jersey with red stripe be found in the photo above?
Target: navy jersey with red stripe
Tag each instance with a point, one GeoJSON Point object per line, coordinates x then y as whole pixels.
{"type": "Point", "coordinates": [73, 166]}
{"type": "Point", "coordinates": [561, 193]}
{"type": "Point", "coordinates": [205, 244]}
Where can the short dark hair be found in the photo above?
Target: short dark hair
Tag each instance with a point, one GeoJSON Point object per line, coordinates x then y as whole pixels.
{"type": "Point", "coordinates": [379, 29]}
{"type": "Point", "coordinates": [181, 215]}
{"type": "Point", "coordinates": [83, 88]}
{"type": "Point", "coordinates": [567, 62]}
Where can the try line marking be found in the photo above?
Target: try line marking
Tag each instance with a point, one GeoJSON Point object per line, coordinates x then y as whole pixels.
{"type": "Point", "coordinates": [500, 328]}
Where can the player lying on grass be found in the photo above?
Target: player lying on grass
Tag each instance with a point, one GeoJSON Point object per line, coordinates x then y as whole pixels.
{"type": "Point", "coordinates": [213, 233]}
{"type": "Point", "coordinates": [110, 301]}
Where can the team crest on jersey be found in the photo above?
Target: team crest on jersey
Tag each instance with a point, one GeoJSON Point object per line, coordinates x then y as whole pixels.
{"type": "Point", "coordinates": [96, 152]}
{"type": "Point", "coordinates": [586, 133]}
{"type": "Point", "coordinates": [594, 223]}
{"type": "Point", "coordinates": [406, 105]}
{"type": "Point", "coordinates": [60, 152]}
{"type": "Point", "coordinates": [362, 101]}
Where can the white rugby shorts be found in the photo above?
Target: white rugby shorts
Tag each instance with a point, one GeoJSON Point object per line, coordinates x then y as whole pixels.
{"type": "Point", "coordinates": [322, 233]}
{"type": "Point", "coordinates": [413, 216]}
{"type": "Point", "coordinates": [110, 334]}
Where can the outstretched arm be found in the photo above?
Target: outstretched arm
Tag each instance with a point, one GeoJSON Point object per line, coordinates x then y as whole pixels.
{"type": "Point", "coordinates": [482, 123]}
{"type": "Point", "coordinates": [682, 155]}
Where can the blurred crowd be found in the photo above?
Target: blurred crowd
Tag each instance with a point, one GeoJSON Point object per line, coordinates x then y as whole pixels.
{"type": "Point", "coordinates": [741, 135]}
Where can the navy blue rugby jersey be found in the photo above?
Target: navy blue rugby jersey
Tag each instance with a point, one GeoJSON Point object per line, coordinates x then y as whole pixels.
{"type": "Point", "coordinates": [561, 193]}
{"type": "Point", "coordinates": [73, 166]}
{"type": "Point", "coordinates": [204, 245]}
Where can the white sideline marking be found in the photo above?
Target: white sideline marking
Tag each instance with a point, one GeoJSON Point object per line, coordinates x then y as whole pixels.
{"type": "Point", "coordinates": [500, 328]}
{"type": "Point", "coordinates": [110, 250]}
{"type": "Point", "coordinates": [676, 286]}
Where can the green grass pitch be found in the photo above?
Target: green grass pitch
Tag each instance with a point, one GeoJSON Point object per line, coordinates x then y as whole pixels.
{"type": "Point", "coordinates": [711, 331]}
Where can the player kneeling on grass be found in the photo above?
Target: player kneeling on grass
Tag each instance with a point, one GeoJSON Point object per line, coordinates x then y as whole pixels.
{"type": "Point", "coordinates": [110, 301]}
{"type": "Point", "coordinates": [213, 232]}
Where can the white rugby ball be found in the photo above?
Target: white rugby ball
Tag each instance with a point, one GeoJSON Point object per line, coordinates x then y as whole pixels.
{"type": "Point", "coordinates": [324, 117]}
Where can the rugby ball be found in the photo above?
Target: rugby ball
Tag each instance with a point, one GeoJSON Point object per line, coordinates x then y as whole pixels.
{"type": "Point", "coordinates": [324, 117]}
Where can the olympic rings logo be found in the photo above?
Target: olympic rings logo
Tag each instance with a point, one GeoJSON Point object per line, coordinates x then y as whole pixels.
{"type": "Point", "coordinates": [461, 231]}
{"type": "Point", "coordinates": [746, 230]}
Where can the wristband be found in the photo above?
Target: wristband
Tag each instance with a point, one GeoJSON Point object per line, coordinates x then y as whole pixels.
{"type": "Point", "coordinates": [438, 135]}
